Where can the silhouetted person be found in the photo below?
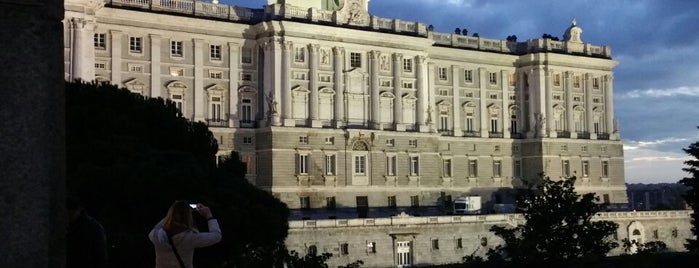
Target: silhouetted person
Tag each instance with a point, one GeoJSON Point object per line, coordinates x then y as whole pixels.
{"type": "Point", "coordinates": [178, 228]}
{"type": "Point", "coordinates": [85, 240]}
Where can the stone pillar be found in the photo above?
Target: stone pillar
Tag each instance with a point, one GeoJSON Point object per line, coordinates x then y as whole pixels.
{"type": "Point", "coordinates": [483, 80]}
{"type": "Point", "coordinates": [609, 107]}
{"type": "Point", "coordinates": [269, 110]}
{"type": "Point", "coordinates": [534, 128]}
{"type": "Point", "coordinates": [375, 119]}
{"type": "Point", "coordinates": [431, 123]}
{"type": "Point", "coordinates": [115, 66]}
{"type": "Point", "coordinates": [505, 86]}
{"type": "Point", "coordinates": [568, 89]}
{"type": "Point", "coordinates": [338, 60]}
{"type": "Point", "coordinates": [456, 101]}
{"type": "Point", "coordinates": [83, 61]}
{"type": "Point", "coordinates": [313, 84]}
{"type": "Point", "coordinates": [155, 84]}
{"type": "Point", "coordinates": [548, 104]}
{"type": "Point", "coordinates": [589, 114]}
{"type": "Point", "coordinates": [32, 127]}
{"type": "Point", "coordinates": [285, 86]}
{"type": "Point", "coordinates": [422, 88]}
{"type": "Point", "coordinates": [233, 77]}
{"type": "Point", "coordinates": [199, 96]}
{"type": "Point", "coordinates": [397, 86]}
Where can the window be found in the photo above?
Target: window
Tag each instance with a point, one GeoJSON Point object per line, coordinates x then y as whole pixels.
{"type": "Point", "coordinates": [497, 169]}
{"type": "Point", "coordinates": [249, 161]}
{"type": "Point", "coordinates": [605, 169]}
{"type": "Point", "coordinates": [408, 65]}
{"type": "Point", "coordinates": [176, 71]}
{"type": "Point", "coordinates": [564, 147]}
{"type": "Point", "coordinates": [305, 202]}
{"type": "Point", "coordinates": [494, 125]}
{"type": "Point", "coordinates": [303, 139]}
{"type": "Point", "coordinates": [360, 165]}
{"type": "Point", "coordinates": [330, 202]}
{"type": "Point", "coordinates": [674, 232]}
{"type": "Point", "coordinates": [407, 84]}
{"type": "Point", "coordinates": [246, 56]}
{"type": "Point", "coordinates": [583, 148]}
{"type": "Point", "coordinates": [557, 80]}
{"type": "Point", "coordinates": [355, 60]}
{"type": "Point", "coordinates": [329, 140]}
{"type": "Point", "coordinates": [246, 77]}
{"type": "Point", "coordinates": [576, 81]}
{"type": "Point", "coordinates": [325, 78]}
{"type": "Point", "coordinates": [247, 140]}
{"type": "Point", "coordinates": [414, 201]}
{"type": "Point", "coordinates": [469, 123]}
{"type": "Point", "coordinates": [446, 168]}
{"type": "Point", "coordinates": [473, 168]}
{"type": "Point", "coordinates": [576, 98]}
{"type": "Point", "coordinates": [299, 75]}
{"type": "Point", "coordinates": [135, 68]}
{"type": "Point", "coordinates": [459, 243]}
{"type": "Point", "coordinates": [302, 162]}
{"type": "Point", "coordinates": [312, 250]}
{"type": "Point", "coordinates": [391, 165]}
{"type": "Point", "coordinates": [176, 49]}
{"type": "Point", "coordinates": [468, 76]}
{"type": "Point", "coordinates": [605, 198]}
{"type": "Point", "coordinates": [435, 244]}
{"type": "Point", "coordinates": [414, 165]}
{"type": "Point", "coordinates": [512, 97]}
{"type": "Point", "coordinates": [215, 108]}
{"type": "Point", "coordinates": [178, 99]}
{"type": "Point", "coordinates": [135, 44]}
{"type": "Point", "coordinates": [385, 83]}
{"type": "Point", "coordinates": [655, 234]}
{"type": "Point", "coordinates": [442, 73]}
{"type": "Point", "coordinates": [513, 124]}
{"type": "Point", "coordinates": [557, 97]}
{"type": "Point", "coordinates": [468, 94]}
{"type": "Point", "coordinates": [484, 241]}
{"type": "Point", "coordinates": [595, 83]}
{"type": "Point", "coordinates": [100, 41]}
{"type": "Point", "coordinates": [565, 168]}
{"type": "Point", "coordinates": [493, 96]}
{"type": "Point", "coordinates": [412, 143]}
{"type": "Point", "coordinates": [215, 74]}
{"type": "Point", "coordinates": [496, 148]}
{"type": "Point", "coordinates": [246, 110]}
{"type": "Point", "coordinates": [443, 121]}
{"type": "Point", "coordinates": [330, 161]}
{"type": "Point", "coordinates": [493, 78]}
{"type": "Point", "coordinates": [371, 247]}
{"type": "Point", "coordinates": [344, 249]}
{"type": "Point", "coordinates": [300, 54]}
{"type": "Point", "coordinates": [443, 92]}
{"type": "Point", "coordinates": [515, 148]}
{"type": "Point", "coordinates": [517, 169]}
{"type": "Point", "coordinates": [392, 201]}
{"type": "Point", "coordinates": [215, 52]}
{"type": "Point", "coordinates": [585, 168]}
{"type": "Point", "coordinates": [596, 100]}
{"type": "Point", "coordinates": [100, 65]}
{"type": "Point", "coordinates": [390, 142]}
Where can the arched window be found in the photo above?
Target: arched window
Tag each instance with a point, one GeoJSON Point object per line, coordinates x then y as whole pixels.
{"type": "Point", "coordinates": [247, 106]}
{"type": "Point", "coordinates": [299, 97]}
{"type": "Point", "coordinates": [386, 109]}
{"type": "Point", "coordinates": [470, 123]}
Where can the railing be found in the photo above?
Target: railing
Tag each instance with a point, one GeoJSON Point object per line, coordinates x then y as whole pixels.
{"type": "Point", "coordinates": [197, 8]}
{"type": "Point", "coordinates": [385, 24]}
{"type": "Point", "coordinates": [562, 134]}
{"type": "Point", "coordinates": [516, 135]}
{"type": "Point", "coordinates": [583, 135]}
{"type": "Point", "coordinates": [446, 132]}
{"type": "Point", "coordinates": [602, 136]}
{"type": "Point", "coordinates": [248, 124]}
{"type": "Point", "coordinates": [217, 122]}
{"type": "Point", "coordinates": [472, 134]}
{"type": "Point", "coordinates": [495, 135]}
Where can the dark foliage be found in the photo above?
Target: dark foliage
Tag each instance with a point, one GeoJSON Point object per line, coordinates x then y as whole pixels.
{"type": "Point", "coordinates": [692, 194]}
{"type": "Point", "coordinates": [558, 226]}
{"type": "Point", "coordinates": [130, 157]}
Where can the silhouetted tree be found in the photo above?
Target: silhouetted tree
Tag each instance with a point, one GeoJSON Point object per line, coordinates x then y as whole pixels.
{"type": "Point", "coordinates": [557, 226]}
{"type": "Point", "coordinates": [692, 195]}
{"type": "Point", "coordinates": [130, 157]}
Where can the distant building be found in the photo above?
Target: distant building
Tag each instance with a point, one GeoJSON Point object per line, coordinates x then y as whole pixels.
{"type": "Point", "coordinates": [341, 114]}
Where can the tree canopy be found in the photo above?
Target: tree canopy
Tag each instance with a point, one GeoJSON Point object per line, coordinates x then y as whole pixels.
{"type": "Point", "coordinates": [558, 226]}
{"type": "Point", "coordinates": [130, 157]}
{"type": "Point", "coordinates": [692, 194]}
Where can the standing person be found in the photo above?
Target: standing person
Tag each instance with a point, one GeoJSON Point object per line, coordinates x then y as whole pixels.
{"type": "Point", "coordinates": [86, 246]}
{"type": "Point", "coordinates": [175, 237]}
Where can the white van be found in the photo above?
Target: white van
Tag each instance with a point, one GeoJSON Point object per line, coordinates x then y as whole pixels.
{"type": "Point", "coordinates": [467, 205]}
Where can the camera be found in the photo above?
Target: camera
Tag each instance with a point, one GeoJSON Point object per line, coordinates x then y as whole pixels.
{"type": "Point", "coordinates": [193, 206]}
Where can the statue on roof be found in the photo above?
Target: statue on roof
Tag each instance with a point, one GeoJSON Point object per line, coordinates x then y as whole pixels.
{"type": "Point", "coordinates": [573, 33]}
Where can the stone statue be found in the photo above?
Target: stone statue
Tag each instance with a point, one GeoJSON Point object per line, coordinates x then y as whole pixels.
{"type": "Point", "coordinates": [324, 56]}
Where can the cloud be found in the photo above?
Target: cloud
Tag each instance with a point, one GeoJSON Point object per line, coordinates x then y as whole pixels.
{"type": "Point", "coordinates": [658, 93]}
{"type": "Point", "coordinates": [632, 145]}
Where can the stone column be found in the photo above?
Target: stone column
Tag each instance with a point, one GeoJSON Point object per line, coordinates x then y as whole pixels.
{"type": "Point", "coordinates": [285, 86]}
{"type": "Point", "coordinates": [589, 114]}
{"type": "Point", "coordinates": [233, 77]}
{"type": "Point", "coordinates": [522, 119]}
{"type": "Point", "coordinates": [422, 88]}
{"type": "Point", "coordinates": [456, 101]}
{"type": "Point", "coordinates": [431, 122]}
{"type": "Point", "coordinates": [505, 86]}
{"type": "Point", "coordinates": [548, 104]}
{"type": "Point", "coordinates": [313, 84]}
{"type": "Point", "coordinates": [483, 80]}
{"type": "Point", "coordinates": [535, 128]}
{"type": "Point", "coordinates": [609, 107]}
{"type": "Point", "coordinates": [397, 86]}
{"type": "Point", "coordinates": [32, 126]}
{"type": "Point", "coordinates": [199, 95]}
{"type": "Point", "coordinates": [115, 46]}
{"type": "Point", "coordinates": [568, 89]}
{"type": "Point", "coordinates": [83, 62]}
{"type": "Point", "coordinates": [375, 119]}
{"type": "Point", "coordinates": [338, 60]}
{"type": "Point", "coordinates": [269, 108]}
{"type": "Point", "coordinates": [155, 84]}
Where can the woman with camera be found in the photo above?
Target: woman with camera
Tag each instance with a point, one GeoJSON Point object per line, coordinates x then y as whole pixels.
{"type": "Point", "coordinates": [175, 237]}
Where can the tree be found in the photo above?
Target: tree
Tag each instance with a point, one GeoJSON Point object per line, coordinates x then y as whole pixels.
{"type": "Point", "coordinates": [130, 157]}
{"type": "Point", "coordinates": [558, 226]}
{"type": "Point", "coordinates": [692, 194]}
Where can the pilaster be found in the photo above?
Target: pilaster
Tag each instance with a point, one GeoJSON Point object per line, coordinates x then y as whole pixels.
{"type": "Point", "coordinates": [233, 61]}
{"type": "Point", "coordinates": [199, 96]}
{"type": "Point", "coordinates": [548, 107]}
{"type": "Point", "coordinates": [483, 80]}
{"type": "Point", "coordinates": [313, 85]}
{"type": "Point", "coordinates": [568, 90]}
{"type": "Point", "coordinates": [456, 100]}
{"type": "Point", "coordinates": [286, 115]}
{"type": "Point", "coordinates": [375, 119]}
{"type": "Point", "coordinates": [422, 88]}
{"type": "Point", "coordinates": [431, 123]}
{"type": "Point", "coordinates": [338, 58]}
{"type": "Point", "coordinates": [609, 107]}
{"type": "Point", "coordinates": [505, 86]}
{"type": "Point", "coordinates": [83, 49]}
{"type": "Point", "coordinates": [116, 45]}
{"type": "Point", "coordinates": [589, 114]}
{"type": "Point", "coordinates": [397, 86]}
{"type": "Point", "coordinates": [155, 84]}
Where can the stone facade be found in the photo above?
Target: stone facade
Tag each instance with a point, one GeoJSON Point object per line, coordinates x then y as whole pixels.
{"type": "Point", "coordinates": [380, 242]}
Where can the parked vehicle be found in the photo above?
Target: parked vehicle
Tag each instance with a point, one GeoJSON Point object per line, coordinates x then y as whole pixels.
{"type": "Point", "coordinates": [467, 205]}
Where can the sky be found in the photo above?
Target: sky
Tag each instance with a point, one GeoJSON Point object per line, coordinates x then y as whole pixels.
{"type": "Point", "coordinates": [656, 42]}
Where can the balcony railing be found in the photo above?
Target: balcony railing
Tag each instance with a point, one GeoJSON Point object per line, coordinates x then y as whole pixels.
{"type": "Point", "coordinates": [563, 134]}
{"type": "Point", "coordinates": [602, 136]}
{"type": "Point", "coordinates": [446, 132]}
{"type": "Point", "coordinates": [217, 122]}
{"type": "Point", "coordinates": [495, 135]}
{"type": "Point", "coordinates": [583, 135]}
{"type": "Point", "coordinates": [248, 124]}
{"type": "Point", "coordinates": [516, 135]}
{"type": "Point", "coordinates": [472, 134]}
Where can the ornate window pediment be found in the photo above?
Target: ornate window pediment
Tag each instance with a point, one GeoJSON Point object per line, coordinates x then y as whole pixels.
{"type": "Point", "coordinates": [215, 90]}
{"type": "Point", "coordinates": [135, 86]}
{"type": "Point", "coordinates": [494, 110]}
{"type": "Point", "coordinates": [102, 79]}
{"type": "Point", "coordinates": [300, 91]}
{"type": "Point", "coordinates": [387, 95]}
{"type": "Point", "coordinates": [444, 106]}
{"type": "Point", "coordinates": [176, 87]}
{"type": "Point", "coordinates": [409, 98]}
{"type": "Point", "coordinates": [326, 92]}
{"type": "Point", "coordinates": [469, 107]}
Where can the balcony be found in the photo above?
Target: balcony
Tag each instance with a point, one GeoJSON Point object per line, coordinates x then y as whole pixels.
{"type": "Point", "coordinates": [496, 135]}
{"type": "Point", "coordinates": [583, 135]}
{"type": "Point", "coordinates": [603, 136]}
{"type": "Point", "coordinates": [248, 124]}
{"type": "Point", "coordinates": [472, 134]}
{"type": "Point", "coordinates": [563, 134]}
{"type": "Point", "coordinates": [217, 122]}
{"type": "Point", "coordinates": [516, 136]}
{"type": "Point", "coordinates": [446, 132]}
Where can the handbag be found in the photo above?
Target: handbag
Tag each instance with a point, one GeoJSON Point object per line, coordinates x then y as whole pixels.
{"type": "Point", "coordinates": [169, 238]}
